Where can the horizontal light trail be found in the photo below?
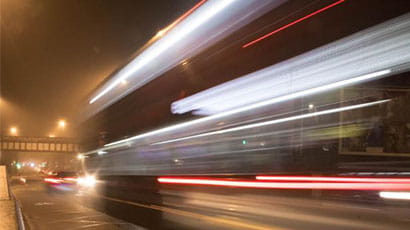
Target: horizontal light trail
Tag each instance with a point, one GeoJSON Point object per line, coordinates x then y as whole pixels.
{"type": "Point", "coordinates": [276, 121]}
{"type": "Point", "coordinates": [253, 106]}
{"type": "Point", "coordinates": [284, 185]}
{"type": "Point", "coordinates": [345, 74]}
{"type": "Point", "coordinates": [335, 179]}
{"type": "Point", "coordinates": [395, 195]}
{"type": "Point", "coordinates": [52, 180]}
{"type": "Point", "coordinates": [382, 49]}
{"type": "Point", "coordinates": [292, 23]}
{"type": "Point", "coordinates": [307, 92]}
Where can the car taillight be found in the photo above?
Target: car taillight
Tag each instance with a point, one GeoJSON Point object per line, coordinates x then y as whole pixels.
{"type": "Point", "coordinates": [52, 180]}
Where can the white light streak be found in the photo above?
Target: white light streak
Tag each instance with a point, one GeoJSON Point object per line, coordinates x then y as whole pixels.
{"type": "Point", "coordinates": [101, 152]}
{"type": "Point", "coordinates": [374, 50]}
{"type": "Point", "coordinates": [250, 107]}
{"type": "Point", "coordinates": [165, 43]}
{"type": "Point", "coordinates": [395, 195]}
{"type": "Point", "coordinates": [276, 121]}
{"type": "Point", "coordinates": [397, 31]}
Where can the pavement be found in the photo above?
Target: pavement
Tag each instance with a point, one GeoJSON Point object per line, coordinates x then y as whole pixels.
{"type": "Point", "coordinates": [45, 211]}
{"type": "Point", "coordinates": [207, 208]}
{"type": "Point", "coordinates": [8, 219]}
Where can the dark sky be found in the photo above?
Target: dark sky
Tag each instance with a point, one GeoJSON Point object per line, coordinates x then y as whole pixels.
{"type": "Point", "coordinates": [53, 53]}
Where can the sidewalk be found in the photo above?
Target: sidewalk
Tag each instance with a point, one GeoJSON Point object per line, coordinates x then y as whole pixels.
{"type": "Point", "coordinates": [8, 220]}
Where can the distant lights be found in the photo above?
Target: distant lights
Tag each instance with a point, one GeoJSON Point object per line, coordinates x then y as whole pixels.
{"type": "Point", "coordinates": [80, 156]}
{"type": "Point", "coordinates": [101, 152]}
{"type": "Point", "coordinates": [13, 130]}
{"type": "Point", "coordinates": [87, 181]}
{"type": "Point", "coordinates": [62, 124]}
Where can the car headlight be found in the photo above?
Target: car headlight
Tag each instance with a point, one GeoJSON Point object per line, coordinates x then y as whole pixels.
{"type": "Point", "coordinates": [87, 181]}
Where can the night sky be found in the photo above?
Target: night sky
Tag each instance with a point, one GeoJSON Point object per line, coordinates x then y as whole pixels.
{"type": "Point", "coordinates": [53, 53]}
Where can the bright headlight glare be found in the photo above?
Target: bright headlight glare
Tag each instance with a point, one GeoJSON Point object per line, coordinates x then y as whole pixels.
{"type": "Point", "coordinates": [87, 181]}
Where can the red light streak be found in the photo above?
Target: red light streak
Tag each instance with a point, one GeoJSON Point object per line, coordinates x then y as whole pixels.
{"type": "Point", "coordinates": [284, 185]}
{"type": "Point", "coordinates": [292, 23]}
{"type": "Point", "coordinates": [186, 14]}
{"type": "Point", "coordinates": [335, 179]}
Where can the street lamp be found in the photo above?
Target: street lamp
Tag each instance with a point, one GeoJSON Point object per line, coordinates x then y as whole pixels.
{"type": "Point", "coordinates": [62, 124]}
{"type": "Point", "coordinates": [13, 131]}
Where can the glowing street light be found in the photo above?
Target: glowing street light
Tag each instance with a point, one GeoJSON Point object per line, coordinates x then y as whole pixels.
{"type": "Point", "coordinates": [13, 131]}
{"type": "Point", "coordinates": [62, 124]}
{"type": "Point", "coordinates": [51, 135]}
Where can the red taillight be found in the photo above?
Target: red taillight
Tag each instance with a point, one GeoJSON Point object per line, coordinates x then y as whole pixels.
{"type": "Point", "coordinates": [52, 180]}
{"type": "Point", "coordinates": [333, 179]}
{"type": "Point", "coordinates": [286, 184]}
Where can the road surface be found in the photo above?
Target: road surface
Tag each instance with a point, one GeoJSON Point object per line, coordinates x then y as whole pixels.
{"type": "Point", "coordinates": [44, 211]}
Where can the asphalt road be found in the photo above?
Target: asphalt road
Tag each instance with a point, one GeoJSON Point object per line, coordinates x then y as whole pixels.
{"type": "Point", "coordinates": [44, 211]}
{"type": "Point", "coordinates": [208, 208]}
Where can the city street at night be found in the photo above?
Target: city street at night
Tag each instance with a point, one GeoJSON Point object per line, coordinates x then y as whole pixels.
{"type": "Point", "coordinates": [245, 210]}
{"type": "Point", "coordinates": [43, 210]}
{"type": "Point", "coordinates": [205, 114]}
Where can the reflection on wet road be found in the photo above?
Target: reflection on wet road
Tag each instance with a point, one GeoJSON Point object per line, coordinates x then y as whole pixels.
{"type": "Point", "coordinates": [43, 211]}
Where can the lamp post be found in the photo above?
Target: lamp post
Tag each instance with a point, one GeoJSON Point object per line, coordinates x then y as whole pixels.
{"type": "Point", "coordinates": [62, 124]}
{"type": "Point", "coordinates": [13, 131]}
